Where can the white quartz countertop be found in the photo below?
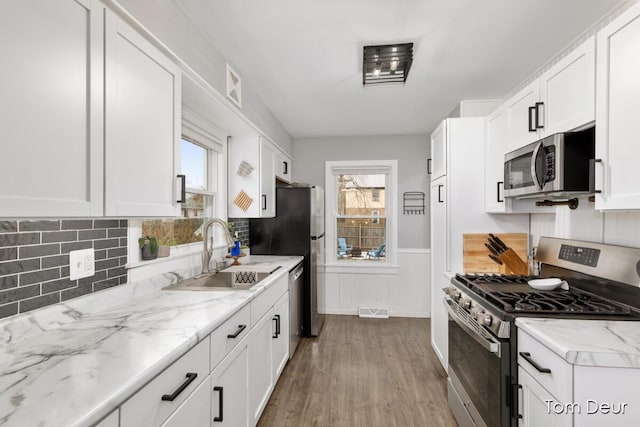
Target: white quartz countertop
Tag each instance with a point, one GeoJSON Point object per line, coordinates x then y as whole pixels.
{"type": "Point", "coordinates": [74, 362]}
{"type": "Point", "coordinates": [588, 342]}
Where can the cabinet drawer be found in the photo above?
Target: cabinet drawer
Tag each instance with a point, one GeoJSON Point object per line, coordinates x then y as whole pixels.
{"type": "Point", "coordinates": [221, 341]}
{"type": "Point", "coordinates": [146, 407]}
{"type": "Point", "coordinates": [559, 382]}
{"type": "Point", "coordinates": [266, 300]}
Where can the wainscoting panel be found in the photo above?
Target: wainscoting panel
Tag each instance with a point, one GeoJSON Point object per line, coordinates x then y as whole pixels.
{"type": "Point", "coordinates": [405, 294]}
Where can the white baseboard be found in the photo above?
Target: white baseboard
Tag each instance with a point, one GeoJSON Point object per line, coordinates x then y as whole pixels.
{"type": "Point", "coordinates": [354, 312]}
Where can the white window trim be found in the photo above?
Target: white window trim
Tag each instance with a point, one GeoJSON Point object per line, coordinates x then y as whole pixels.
{"type": "Point", "coordinates": [333, 168]}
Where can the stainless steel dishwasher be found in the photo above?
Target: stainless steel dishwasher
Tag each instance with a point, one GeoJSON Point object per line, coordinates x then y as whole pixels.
{"type": "Point", "coordinates": [296, 283]}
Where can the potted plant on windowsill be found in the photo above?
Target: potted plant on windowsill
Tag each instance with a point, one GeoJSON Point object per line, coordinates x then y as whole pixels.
{"type": "Point", "coordinates": [164, 246]}
{"type": "Point", "coordinates": [148, 248]}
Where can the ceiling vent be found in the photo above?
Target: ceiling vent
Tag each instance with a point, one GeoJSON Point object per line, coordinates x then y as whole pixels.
{"type": "Point", "coordinates": [386, 63]}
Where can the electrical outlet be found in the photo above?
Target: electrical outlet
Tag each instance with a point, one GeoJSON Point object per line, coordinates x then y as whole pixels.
{"type": "Point", "coordinates": [81, 264]}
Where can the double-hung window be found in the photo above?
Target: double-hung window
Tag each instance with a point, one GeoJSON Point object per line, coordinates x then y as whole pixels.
{"type": "Point", "coordinates": [361, 206]}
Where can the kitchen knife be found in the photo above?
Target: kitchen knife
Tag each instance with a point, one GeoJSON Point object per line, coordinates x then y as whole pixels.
{"type": "Point", "coordinates": [495, 239]}
{"type": "Point", "coordinates": [496, 259]}
{"type": "Point", "coordinates": [492, 249]}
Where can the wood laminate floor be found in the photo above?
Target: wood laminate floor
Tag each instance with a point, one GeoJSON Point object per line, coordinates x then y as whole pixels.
{"type": "Point", "coordinates": [362, 372]}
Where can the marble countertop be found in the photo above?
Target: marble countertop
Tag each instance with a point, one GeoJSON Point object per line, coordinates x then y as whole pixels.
{"type": "Point", "coordinates": [588, 342]}
{"type": "Point", "coordinates": [74, 362]}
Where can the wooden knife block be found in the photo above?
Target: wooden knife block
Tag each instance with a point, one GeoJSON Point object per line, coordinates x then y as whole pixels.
{"type": "Point", "coordinates": [512, 263]}
{"type": "Point", "coordinates": [476, 255]}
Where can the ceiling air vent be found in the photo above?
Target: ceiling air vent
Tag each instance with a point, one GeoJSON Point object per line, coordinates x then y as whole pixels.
{"type": "Point", "coordinates": [386, 63]}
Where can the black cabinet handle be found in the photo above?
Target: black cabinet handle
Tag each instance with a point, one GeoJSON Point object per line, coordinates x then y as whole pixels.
{"type": "Point", "coordinates": [527, 356]}
{"type": "Point", "coordinates": [183, 189]}
{"type": "Point", "coordinates": [532, 113]}
{"type": "Point", "coordinates": [238, 332]}
{"type": "Point", "coordinates": [264, 202]}
{"type": "Point", "coordinates": [218, 419]}
{"type": "Point", "coordinates": [285, 168]}
{"type": "Point", "coordinates": [429, 167]}
{"type": "Point", "coordinates": [277, 319]}
{"type": "Point", "coordinates": [539, 115]}
{"type": "Point", "coordinates": [515, 412]}
{"type": "Point", "coordinates": [191, 376]}
{"type": "Point", "coordinates": [498, 198]}
{"type": "Point", "coordinates": [596, 191]}
{"type": "Point", "coordinates": [440, 193]}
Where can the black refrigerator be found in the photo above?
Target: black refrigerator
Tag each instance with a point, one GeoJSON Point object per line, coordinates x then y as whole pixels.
{"type": "Point", "coordinates": [297, 229]}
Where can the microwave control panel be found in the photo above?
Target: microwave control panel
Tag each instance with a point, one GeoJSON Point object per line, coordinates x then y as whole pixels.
{"type": "Point", "coordinates": [579, 255]}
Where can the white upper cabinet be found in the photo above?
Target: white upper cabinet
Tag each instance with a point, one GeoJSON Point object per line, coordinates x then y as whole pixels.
{"type": "Point", "coordinates": [495, 147]}
{"type": "Point", "coordinates": [439, 152]}
{"type": "Point", "coordinates": [618, 92]}
{"type": "Point", "coordinates": [561, 100]}
{"type": "Point", "coordinates": [521, 129]}
{"type": "Point", "coordinates": [282, 166]}
{"type": "Point", "coordinates": [51, 108]}
{"type": "Point", "coordinates": [568, 92]}
{"type": "Point", "coordinates": [142, 125]}
{"type": "Point", "coordinates": [253, 163]}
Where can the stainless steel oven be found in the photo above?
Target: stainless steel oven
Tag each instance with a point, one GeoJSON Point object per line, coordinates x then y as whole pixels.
{"type": "Point", "coordinates": [558, 165]}
{"type": "Point", "coordinates": [479, 371]}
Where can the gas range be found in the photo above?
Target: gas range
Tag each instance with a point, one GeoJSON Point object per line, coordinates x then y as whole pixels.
{"type": "Point", "coordinates": [603, 283]}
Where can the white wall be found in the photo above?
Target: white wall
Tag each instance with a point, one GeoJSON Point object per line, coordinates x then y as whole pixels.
{"type": "Point", "coordinates": [407, 292]}
{"type": "Point", "coordinates": [585, 223]}
{"type": "Point", "coordinates": [166, 21]}
{"type": "Point", "coordinates": [310, 155]}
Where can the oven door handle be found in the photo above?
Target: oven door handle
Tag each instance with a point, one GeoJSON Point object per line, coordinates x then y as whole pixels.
{"type": "Point", "coordinates": [489, 345]}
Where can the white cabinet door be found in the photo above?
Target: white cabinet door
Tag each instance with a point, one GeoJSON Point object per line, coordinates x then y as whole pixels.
{"type": "Point", "coordinates": [267, 181]}
{"type": "Point", "coordinates": [439, 248]}
{"type": "Point", "coordinates": [51, 108]}
{"type": "Point", "coordinates": [196, 410]}
{"type": "Point", "coordinates": [112, 420]}
{"type": "Point", "coordinates": [260, 366]}
{"type": "Point", "coordinates": [280, 336]}
{"type": "Point", "coordinates": [439, 151]}
{"type": "Point", "coordinates": [618, 91]}
{"type": "Point", "coordinates": [142, 125]}
{"type": "Point", "coordinates": [282, 166]}
{"type": "Point", "coordinates": [568, 91]}
{"type": "Point", "coordinates": [537, 406]}
{"type": "Point", "coordinates": [521, 129]}
{"type": "Point", "coordinates": [230, 388]}
{"type": "Point", "coordinates": [495, 148]}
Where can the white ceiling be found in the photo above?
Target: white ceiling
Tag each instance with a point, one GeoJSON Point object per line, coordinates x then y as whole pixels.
{"type": "Point", "coordinates": [303, 57]}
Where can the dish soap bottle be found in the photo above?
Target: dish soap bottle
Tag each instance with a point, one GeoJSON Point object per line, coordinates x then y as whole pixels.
{"type": "Point", "coordinates": [235, 251]}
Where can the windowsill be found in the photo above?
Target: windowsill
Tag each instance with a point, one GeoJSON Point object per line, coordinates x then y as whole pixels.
{"type": "Point", "coordinates": [176, 253]}
{"type": "Point", "coordinates": [362, 268]}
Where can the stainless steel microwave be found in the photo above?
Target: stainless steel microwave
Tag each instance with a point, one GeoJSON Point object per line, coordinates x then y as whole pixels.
{"type": "Point", "coordinates": [559, 165]}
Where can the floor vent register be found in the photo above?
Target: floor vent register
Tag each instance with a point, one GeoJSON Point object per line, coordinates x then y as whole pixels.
{"type": "Point", "coordinates": [373, 313]}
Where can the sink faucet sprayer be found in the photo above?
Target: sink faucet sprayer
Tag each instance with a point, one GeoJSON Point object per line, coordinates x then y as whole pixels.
{"type": "Point", "coordinates": [208, 252]}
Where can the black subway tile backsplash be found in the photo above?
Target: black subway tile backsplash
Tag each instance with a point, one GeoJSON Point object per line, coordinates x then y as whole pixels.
{"type": "Point", "coordinates": [8, 226]}
{"type": "Point", "coordinates": [34, 260]}
{"type": "Point", "coordinates": [8, 254]}
{"type": "Point", "coordinates": [39, 250]}
{"type": "Point", "coordinates": [38, 226]}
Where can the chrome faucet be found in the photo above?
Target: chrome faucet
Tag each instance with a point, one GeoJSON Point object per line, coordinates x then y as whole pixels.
{"type": "Point", "coordinates": [207, 252]}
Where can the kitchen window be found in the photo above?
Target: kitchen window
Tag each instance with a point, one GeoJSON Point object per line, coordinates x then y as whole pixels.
{"type": "Point", "coordinates": [361, 211]}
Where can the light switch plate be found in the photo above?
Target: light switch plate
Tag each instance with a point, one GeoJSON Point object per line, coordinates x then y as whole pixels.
{"type": "Point", "coordinates": [81, 264]}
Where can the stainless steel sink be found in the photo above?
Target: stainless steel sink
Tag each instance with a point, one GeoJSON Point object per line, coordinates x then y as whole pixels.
{"type": "Point", "coordinates": [222, 280]}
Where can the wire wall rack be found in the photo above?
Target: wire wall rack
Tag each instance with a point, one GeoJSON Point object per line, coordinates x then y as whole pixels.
{"type": "Point", "coordinates": [413, 203]}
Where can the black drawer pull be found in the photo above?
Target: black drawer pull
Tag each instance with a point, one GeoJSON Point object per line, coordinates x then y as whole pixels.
{"type": "Point", "coordinates": [191, 376]}
{"type": "Point", "coordinates": [277, 319]}
{"type": "Point", "coordinates": [220, 403]}
{"type": "Point", "coordinates": [183, 189]}
{"type": "Point", "coordinates": [527, 356]}
{"type": "Point", "coordinates": [238, 332]}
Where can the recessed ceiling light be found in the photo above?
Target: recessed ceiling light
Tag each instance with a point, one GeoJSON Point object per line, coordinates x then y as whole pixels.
{"type": "Point", "coordinates": [386, 63]}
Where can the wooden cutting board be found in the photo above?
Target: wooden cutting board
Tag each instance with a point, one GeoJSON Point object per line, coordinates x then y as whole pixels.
{"type": "Point", "coordinates": [475, 257]}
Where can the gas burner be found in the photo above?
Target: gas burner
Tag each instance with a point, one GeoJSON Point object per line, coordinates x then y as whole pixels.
{"type": "Point", "coordinates": [495, 278]}
{"type": "Point", "coordinates": [556, 302]}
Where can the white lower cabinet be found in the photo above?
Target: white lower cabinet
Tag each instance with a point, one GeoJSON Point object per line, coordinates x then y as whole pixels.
{"type": "Point", "coordinates": [196, 410]}
{"type": "Point", "coordinates": [155, 402]}
{"type": "Point", "coordinates": [111, 420]}
{"type": "Point", "coordinates": [230, 388]}
{"type": "Point", "coordinates": [281, 336]}
{"type": "Point", "coordinates": [538, 406]}
{"type": "Point", "coordinates": [260, 366]}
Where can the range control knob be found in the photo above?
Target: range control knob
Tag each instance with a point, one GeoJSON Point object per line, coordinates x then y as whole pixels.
{"type": "Point", "coordinates": [456, 295]}
{"type": "Point", "coordinates": [466, 304]}
{"type": "Point", "coordinates": [479, 314]}
{"type": "Point", "coordinates": [487, 319]}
